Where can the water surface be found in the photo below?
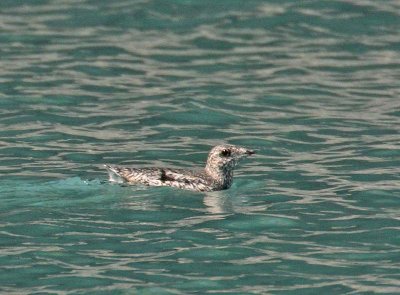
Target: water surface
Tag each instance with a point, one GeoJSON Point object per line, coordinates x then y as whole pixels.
{"type": "Point", "coordinates": [312, 86]}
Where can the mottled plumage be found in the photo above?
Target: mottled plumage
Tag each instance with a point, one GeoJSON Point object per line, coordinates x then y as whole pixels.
{"type": "Point", "coordinates": [217, 175]}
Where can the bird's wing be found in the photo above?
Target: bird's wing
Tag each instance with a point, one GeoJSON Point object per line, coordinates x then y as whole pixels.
{"type": "Point", "coordinates": [159, 177]}
{"type": "Point", "coordinates": [134, 174]}
{"type": "Point", "coordinates": [186, 179]}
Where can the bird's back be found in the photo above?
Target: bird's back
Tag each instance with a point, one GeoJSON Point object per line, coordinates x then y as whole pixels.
{"type": "Point", "coordinates": [181, 178]}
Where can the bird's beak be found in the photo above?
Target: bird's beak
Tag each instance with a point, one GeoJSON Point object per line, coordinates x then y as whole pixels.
{"type": "Point", "coordinates": [250, 152]}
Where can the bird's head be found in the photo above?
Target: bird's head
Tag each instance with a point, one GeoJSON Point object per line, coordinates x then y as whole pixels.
{"type": "Point", "coordinates": [222, 159]}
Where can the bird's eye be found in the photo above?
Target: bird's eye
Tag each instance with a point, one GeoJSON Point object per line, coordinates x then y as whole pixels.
{"type": "Point", "coordinates": [226, 153]}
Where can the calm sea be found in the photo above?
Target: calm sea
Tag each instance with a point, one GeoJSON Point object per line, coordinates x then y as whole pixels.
{"type": "Point", "coordinates": [313, 86]}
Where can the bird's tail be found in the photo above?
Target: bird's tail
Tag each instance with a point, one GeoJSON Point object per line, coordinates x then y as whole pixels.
{"type": "Point", "coordinates": [113, 174]}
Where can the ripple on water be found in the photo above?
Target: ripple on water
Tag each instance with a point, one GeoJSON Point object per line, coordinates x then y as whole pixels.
{"type": "Point", "coordinates": [313, 88]}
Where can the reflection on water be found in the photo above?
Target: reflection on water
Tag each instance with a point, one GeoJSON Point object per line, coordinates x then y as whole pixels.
{"type": "Point", "coordinates": [218, 202]}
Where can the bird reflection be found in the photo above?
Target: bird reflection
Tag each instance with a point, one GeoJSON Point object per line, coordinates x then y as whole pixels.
{"type": "Point", "coordinates": [218, 202]}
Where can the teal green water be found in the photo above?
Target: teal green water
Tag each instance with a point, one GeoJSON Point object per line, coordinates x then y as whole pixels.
{"type": "Point", "coordinates": [313, 86]}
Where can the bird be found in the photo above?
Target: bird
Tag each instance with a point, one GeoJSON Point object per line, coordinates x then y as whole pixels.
{"type": "Point", "coordinates": [216, 175]}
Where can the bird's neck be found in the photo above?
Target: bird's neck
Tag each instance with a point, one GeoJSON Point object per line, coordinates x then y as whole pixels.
{"type": "Point", "coordinates": [223, 176]}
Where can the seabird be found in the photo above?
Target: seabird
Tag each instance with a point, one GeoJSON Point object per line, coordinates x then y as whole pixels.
{"type": "Point", "coordinates": [217, 174]}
